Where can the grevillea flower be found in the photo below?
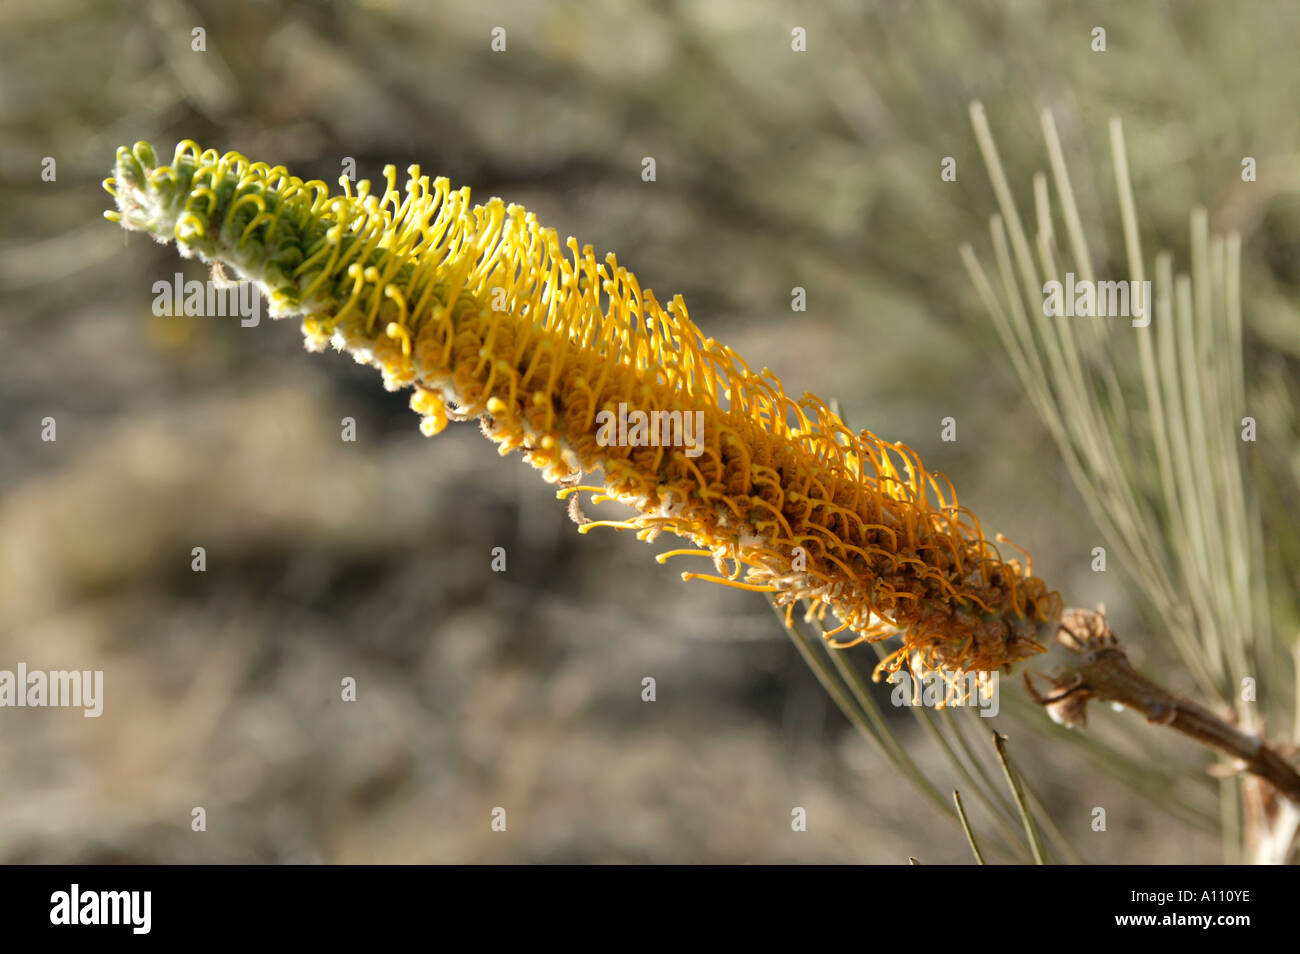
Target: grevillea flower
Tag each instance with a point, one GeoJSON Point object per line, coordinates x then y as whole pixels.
{"type": "Point", "coordinates": [481, 310]}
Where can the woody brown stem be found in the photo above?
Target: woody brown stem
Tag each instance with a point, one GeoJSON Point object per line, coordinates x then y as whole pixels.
{"type": "Point", "coordinates": [1096, 667]}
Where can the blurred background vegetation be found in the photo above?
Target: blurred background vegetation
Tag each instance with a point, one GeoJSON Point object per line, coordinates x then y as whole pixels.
{"type": "Point", "coordinates": [371, 559]}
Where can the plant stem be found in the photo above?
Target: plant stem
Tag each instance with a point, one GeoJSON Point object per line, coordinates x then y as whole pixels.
{"type": "Point", "coordinates": [965, 824]}
{"type": "Point", "coordinates": [1013, 782]}
{"type": "Point", "coordinates": [1097, 668]}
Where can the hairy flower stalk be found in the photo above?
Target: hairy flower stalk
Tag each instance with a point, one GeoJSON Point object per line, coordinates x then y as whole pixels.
{"type": "Point", "coordinates": [480, 309]}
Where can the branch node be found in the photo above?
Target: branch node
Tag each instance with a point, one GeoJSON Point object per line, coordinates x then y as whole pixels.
{"type": "Point", "coordinates": [1097, 667]}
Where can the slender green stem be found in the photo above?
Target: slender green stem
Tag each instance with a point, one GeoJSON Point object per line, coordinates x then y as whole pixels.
{"type": "Point", "coordinates": [1013, 780]}
{"type": "Point", "coordinates": [965, 825]}
{"type": "Point", "coordinates": [883, 740]}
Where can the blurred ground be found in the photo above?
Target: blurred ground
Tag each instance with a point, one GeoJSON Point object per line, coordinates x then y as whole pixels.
{"type": "Point", "coordinates": [372, 559]}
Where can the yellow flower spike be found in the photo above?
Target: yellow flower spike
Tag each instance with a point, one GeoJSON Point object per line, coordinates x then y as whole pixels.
{"type": "Point", "coordinates": [801, 506]}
